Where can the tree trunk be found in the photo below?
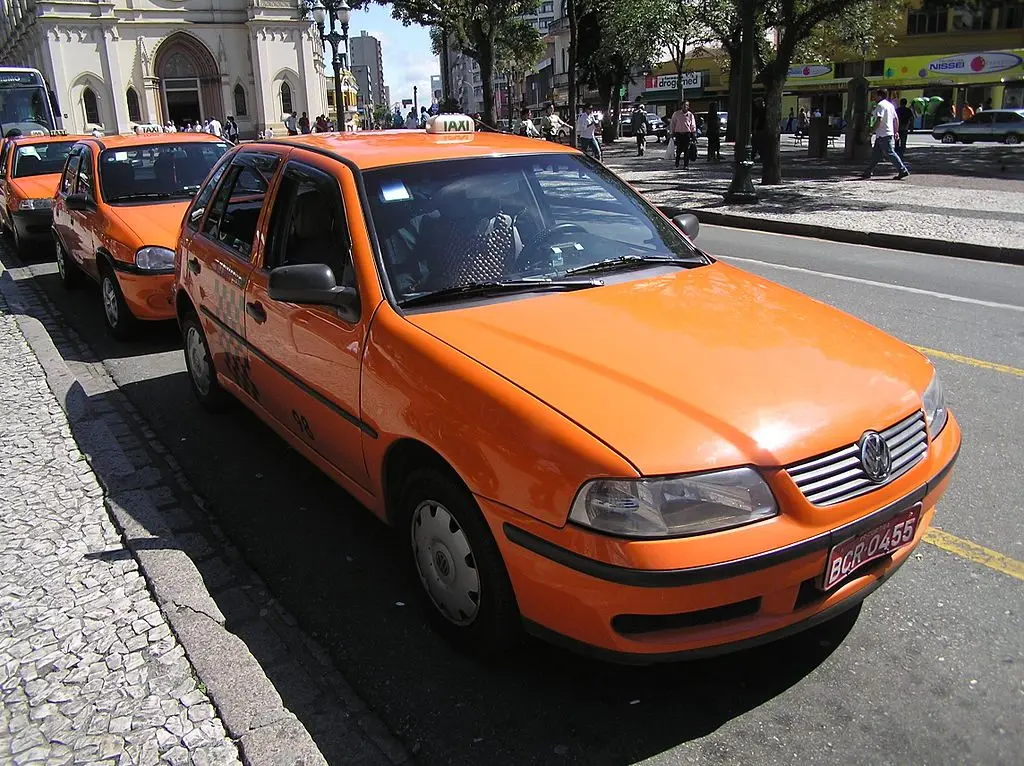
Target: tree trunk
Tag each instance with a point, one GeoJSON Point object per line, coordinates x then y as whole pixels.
{"type": "Point", "coordinates": [734, 95]}
{"type": "Point", "coordinates": [611, 129]}
{"type": "Point", "coordinates": [771, 167]}
{"type": "Point", "coordinates": [573, 35]}
{"type": "Point", "coordinates": [487, 75]}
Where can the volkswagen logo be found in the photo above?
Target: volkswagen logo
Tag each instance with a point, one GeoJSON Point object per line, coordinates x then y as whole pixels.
{"type": "Point", "coordinates": [875, 457]}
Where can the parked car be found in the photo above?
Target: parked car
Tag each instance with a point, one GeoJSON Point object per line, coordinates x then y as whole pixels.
{"type": "Point", "coordinates": [602, 436]}
{"type": "Point", "coordinates": [1005, 125]}
{"type": "Point", "coordinates": [30, 168]}
{"type": "Point", "coordinates": [655, 125]}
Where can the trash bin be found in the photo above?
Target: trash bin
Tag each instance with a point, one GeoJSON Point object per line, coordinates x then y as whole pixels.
{"type": "Point", "coordinates": [817, 137]}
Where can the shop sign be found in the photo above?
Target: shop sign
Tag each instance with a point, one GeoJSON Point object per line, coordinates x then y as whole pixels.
{"type": "Point", "coordinates": [978, 64]}
{"type": "Point", "coordinates": [809, 72]}
{"type": "Point", "coordinates": [669, 81]}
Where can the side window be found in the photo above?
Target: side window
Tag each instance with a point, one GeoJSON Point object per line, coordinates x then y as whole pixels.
{"type": "Point", "coordinates": [4, 154]}
{"type": "Point", "coordinates": [985, 118]}
{"type": "Point", "coordinates": [195, 214]}
{"type": "Point", "coordinates": [308, 224]}
{"type": "Point", "coordinates": [84, 185]}
{"type": "Point", "coordinates": [235, 211]}
{"type": "Point", "coordinates": [1008, 117]}
{"type": "Point", "coordinates": [67, 181]}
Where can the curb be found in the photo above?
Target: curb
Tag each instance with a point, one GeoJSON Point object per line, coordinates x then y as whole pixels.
{"type": "Point", "coordinates": [250, 707]}
{"type": "Point", "coordinates": [968, 251]}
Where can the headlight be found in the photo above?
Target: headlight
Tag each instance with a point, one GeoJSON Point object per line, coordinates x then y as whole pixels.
{"type": "Point", "coordinates": [674, 505]}
{"type": "Point", "coordinates": [36, 204]}
{"type": "Point", "coordinates": [155, 259]}
{"type": "Point", "coordinates": [935, 412]}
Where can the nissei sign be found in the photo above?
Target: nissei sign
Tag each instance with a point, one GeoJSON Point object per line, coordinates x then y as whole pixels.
{"type": "Point", "coordinates": [669, 81]}
{"type": "Point", "coordinates": [975, 63]}
{"type": "Point", "coordinates": [803, 71]}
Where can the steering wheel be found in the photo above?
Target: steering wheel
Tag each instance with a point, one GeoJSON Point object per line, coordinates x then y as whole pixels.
{"type": "Point", "coordinates": [531, 255]}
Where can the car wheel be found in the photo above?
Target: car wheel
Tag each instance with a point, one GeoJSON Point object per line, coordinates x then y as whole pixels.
{"type": "Point", "coordinates": [121, 323]}
{"type": "Point", "coordinates": [948, 138]}
{"type": "Point", "coordinates": [1011, 138]}
{"type": "Point", "coordinates": [70, 276]}
{"type": "Point", "coordinates": [464, 584]}
{"type": "Point", "coordinates": [199, 362]}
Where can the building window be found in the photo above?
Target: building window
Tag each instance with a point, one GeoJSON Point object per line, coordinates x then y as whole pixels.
{"type": "Point", "coordinates": [547, 7]}
{"type": "Point", "coordinates": [92, 107]}
{"type": "Point", "coordinates": [1011, 16]}
{"type": "Point", "coordinates": [545, 23]}
{"type": "Point", "coordinates": [969, 19]}
{"type": "Point", "coordinates": [330, 98]}
{"type": "Point", "coordinates": [241, 109]}
{"type": "Point", "coordinates": [134, 110]}
{"type": "Point", "coordinates": [286, 98]}
{"type": "Point", "coordinates": [927, 22]}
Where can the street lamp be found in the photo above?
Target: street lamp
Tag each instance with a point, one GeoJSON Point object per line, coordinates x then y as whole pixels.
{"type": "Point", "coordinates": [329, 14]}
{"type": "Point", "coordinates": [741, 190]}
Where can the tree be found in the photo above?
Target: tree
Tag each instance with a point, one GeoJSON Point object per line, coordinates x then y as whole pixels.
{"type": "Point", "coordinates": [518, 50]}
{"type": "Point", "coordinates": [475, 26]}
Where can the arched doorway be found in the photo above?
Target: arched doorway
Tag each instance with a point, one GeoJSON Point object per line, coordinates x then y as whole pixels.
{"type": "Point", "coordinates": [189, 81]}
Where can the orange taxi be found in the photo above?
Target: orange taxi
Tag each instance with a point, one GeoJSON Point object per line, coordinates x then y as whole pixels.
{"type": "Point", "coordinates": [116, 217]}
{"type": "Point", "coordinates": [578, 421]}
{"type": "Point", "coordinates": [30, 168]}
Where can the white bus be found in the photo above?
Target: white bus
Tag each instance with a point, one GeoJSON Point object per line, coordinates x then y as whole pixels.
{"type": "Point", "coordinates": [25, 102]}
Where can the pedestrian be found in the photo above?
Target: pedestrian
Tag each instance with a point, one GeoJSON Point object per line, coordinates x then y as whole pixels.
{"type": "Point", "coordinates": [715, 132]}
{"type": "Point", "coordinates": [966, 111]}
{"type": "Point", "coordinates": [638, 122]}
{"type": "Point", "coordinates": [291, 124]}
{"type": "Point", "coordinates": [905, 117]}
{"type": "Point", "coordinates": [304, 123]}
{"type": "Point", "coordinates": [526, 126]}
{"type": "Point", "coordinates": [231, 130]}
{"type": "Point", "coordinates": [423, 116]}
{"type": "Point", "coordinates": [683, 128]}
{"type": "Point", "coordinates": [789, 122]}
{"type": "Point", "coordinates": [884, 120]}
{"type": "Point", "coordinates": [412, 121]}
{"type": "Point", "coordinates": [586, 132]}
{"type": "Point", "coordinates": [268, 133]}
{"type": "Point", "coordinates": [801, 123]}
{"type": "Point", "coordinates": [551, 124]}
{"type": "Point", "coordinates": [988, 104]}
{"type": "Point", "coordinates": [215, 128]}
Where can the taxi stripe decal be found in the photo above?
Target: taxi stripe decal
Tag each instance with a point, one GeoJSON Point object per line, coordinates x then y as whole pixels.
{"type": "Point", "coordinates": [343, 413]}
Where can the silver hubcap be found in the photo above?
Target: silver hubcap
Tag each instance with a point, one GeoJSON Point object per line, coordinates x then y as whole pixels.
{"type": "Point", "coordinates": [198, 364]}
{"type": "Point", "coordinates": [948, 139]}
{"type": "Point", "coordinates": [110, 300]}
{"type": "Point", "coordinates": [445, 563]}
{"type": "Point", "coordinates": [1012, 139]}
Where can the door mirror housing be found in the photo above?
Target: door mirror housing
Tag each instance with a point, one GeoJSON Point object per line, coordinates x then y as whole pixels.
{"type": "Point", "coordinates": [80, 202]}
{"type": "Point", "coordinates": [312, 284]}
{"type": "Point", "coordinates": [688, 224]}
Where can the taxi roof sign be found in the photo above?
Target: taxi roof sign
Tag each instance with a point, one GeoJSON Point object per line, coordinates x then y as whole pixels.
{"type": "Point", "coordinates": [450, 123]}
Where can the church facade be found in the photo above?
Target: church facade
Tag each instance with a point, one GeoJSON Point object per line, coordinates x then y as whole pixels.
{"type": "Point", "coordinates": [120, 63]}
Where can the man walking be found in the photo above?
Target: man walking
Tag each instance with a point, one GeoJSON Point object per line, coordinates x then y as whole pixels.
{"type": "Point", "coordinates": [884, 119]}
{"type": "Point", "coordinates": [586, 132]}
{"type": "Point", "coordinates": [683, 128]}
{"type": "Point", "coordinates": [906, 123]}
{"type": "Point", "coordinates": [638, 122]}
{"type": "Point", "coordinates": [291, 124]}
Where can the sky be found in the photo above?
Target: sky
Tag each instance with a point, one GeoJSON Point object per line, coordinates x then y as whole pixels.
{"type": "Point", "coordinates": [405, 50]}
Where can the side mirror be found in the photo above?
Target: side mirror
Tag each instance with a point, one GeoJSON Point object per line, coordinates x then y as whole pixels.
{"type": "Point", "coordinates": [78, 202]}
{"type": "Point", "coordinates": [312, 284]}
{"type": "Point", "coordinates": [688, 224]}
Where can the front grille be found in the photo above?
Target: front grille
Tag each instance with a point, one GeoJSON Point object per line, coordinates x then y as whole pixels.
{"type": "Point", "coordinates": [837, 476]}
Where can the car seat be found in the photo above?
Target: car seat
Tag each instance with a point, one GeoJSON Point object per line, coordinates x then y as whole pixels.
{"type": "Point", "coordinates": [314, 239]}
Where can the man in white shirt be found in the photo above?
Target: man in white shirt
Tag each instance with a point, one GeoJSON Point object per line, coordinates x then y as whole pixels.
{"type": "Point", "coordinates": [291, 124]}
{"type": "Point", "coordinates": [586, 132]}
{"type": "Point", "coordinates": [886, 126]}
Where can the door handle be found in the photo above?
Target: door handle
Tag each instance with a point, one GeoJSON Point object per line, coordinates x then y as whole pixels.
{"type": "Point", "coordinates": [256, 311]}
{"type": "Point", "coordinates": [193, 265]}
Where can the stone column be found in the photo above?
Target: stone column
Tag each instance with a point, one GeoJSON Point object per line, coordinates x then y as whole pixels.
{"type": "Point", "coordinates": [115, 82]}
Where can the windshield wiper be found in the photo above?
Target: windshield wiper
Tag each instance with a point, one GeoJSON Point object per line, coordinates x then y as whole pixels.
{"type": "Point", "coordinates": [629, 261]}
{"type": "Point", "coordinates": [152, 195]}
{"type": "Point", "coordinates": [498, 287]}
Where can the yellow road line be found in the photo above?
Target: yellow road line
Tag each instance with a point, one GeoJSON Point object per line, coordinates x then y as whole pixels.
{"type": "Point", "coordinates": [974, 552]}
{"type": "Point", "coordinates": [973, 362]}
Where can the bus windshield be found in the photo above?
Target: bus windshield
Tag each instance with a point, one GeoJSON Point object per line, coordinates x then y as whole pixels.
{"type": "Point", "coordinates": [26, 108]}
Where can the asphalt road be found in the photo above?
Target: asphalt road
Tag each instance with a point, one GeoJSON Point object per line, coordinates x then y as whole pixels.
{"type": "Point", "coordinates": [931, 669]}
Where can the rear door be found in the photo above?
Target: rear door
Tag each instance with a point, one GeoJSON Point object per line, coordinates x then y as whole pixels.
{"type": "Point", "coordinates": [88, 224]}
{"type": "Point", "coordinates": [1009, 124]}
{"type": "Point", "coordinates": [305, 360]}
{"type": "Point", "coordinates": [219, 249]}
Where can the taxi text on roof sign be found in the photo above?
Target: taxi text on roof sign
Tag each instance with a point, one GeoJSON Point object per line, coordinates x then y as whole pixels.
{"type": "Point", "coordinates": [450, 123]}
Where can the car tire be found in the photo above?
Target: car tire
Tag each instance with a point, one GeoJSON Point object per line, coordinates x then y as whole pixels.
{"type": "Point", "coordinates": [949, 138]}
{"type": "Point", "coordinates": [67, 270]}
{"type": "Point", "coordinates": [202, 375]}
{"type": "Point", "coordinates": [1011, 139]}
{"type": "Point", "coordinates": [463, 583]}
{"type": "Point", "coordinates": [121, 322]}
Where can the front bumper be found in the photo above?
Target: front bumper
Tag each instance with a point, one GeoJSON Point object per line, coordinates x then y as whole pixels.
{"type": "Point", "coordinates": [643, 615]}
{"type": "Point", "coordinates": [32, 224]}
{"type": "Point", "coordinates": [149, 295]}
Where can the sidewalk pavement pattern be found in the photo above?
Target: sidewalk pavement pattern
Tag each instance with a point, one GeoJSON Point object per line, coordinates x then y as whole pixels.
{"type": "Point", "coordinates": [966, 194]}
{"type": "Point", "coordinates": [89, 669]}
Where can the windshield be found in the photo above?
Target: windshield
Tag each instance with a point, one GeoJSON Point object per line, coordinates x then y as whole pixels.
{"type": "Point", "coordinates": [157, 171]}
{"type": "Point", "coordinates": [41, 159]}
{"type": "Point", "coordinates": [458, 222]}
{"type": "Point", "coordinates": [25, 108]}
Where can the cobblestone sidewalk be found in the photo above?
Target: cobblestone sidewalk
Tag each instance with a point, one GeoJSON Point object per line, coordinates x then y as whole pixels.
{"type": "Point", "coordinates": [89, 669]}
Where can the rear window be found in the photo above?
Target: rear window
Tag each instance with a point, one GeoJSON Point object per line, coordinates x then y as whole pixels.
{"type": "Point", "coordinates": [41, 159]}
{"type": "Point", "coordinates": [157, 172]}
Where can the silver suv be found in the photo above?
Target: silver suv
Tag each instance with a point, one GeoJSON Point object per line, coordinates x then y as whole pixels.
{"type": "Point", "coordinates": [1006, 125]}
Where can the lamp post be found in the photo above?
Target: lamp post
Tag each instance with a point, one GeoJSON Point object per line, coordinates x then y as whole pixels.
{"type": "Point", "coordinates": [741, 190]}
{"type": "Point", "coordinates": [329, 14]}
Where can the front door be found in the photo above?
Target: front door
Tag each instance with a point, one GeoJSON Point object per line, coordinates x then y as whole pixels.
{"type": "Point", "coordinates": [305, 360]}
{"type": "Point", "coordinates": [219, 258]}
